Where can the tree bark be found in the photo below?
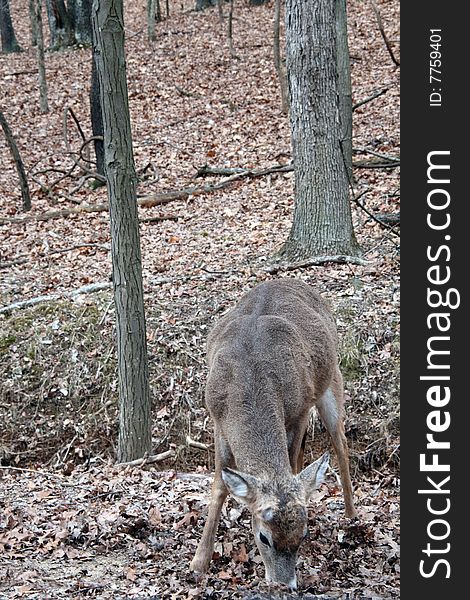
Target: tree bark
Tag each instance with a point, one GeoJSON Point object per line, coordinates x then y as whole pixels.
{"type": "Point", "coordinates": [79, 12]}
{"type": "Point", "coordinates": [280, 68]}
{"type": "Point", "coordinates": [43, 102]}
{"type": "Point", "coordinates": [151, 19]}
{"type": "Point", "coordinates": [7, 33]}
{"type": "Point", "coordinates": [59, 24]}
{"type": "Point", "coordinates": [322, 223]}
{"type": "Point", "coordinates": [134, 418]}
{"type": "Point", "coordinates": [18, 162]}
{"type": "Point", "coordinates": [96, 114]}
{"type": "Point", "coordinates": [202, 4]}
{"type": "Point", "coordinates": [33, 22]}
{"type": "Point", "coordinates": [344, 85]}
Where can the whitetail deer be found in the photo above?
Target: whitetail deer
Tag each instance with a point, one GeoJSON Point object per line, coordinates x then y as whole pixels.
{"type": "Point", "coordinates": [272, 358]}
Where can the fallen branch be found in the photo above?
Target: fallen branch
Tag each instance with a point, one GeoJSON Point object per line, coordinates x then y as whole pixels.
{"type": "Point", "coordinates": [86, 289]}
{"type": "Point", "coordinates": [376, 164]}
{"type": "Point", "coordinates": [389, 218]}
{"type": "Point", "coordinates": [145, 460]}
{"type": "Point", "coordinates": [158, 219]}
{"type": "Point", "coordinates": [239, 172]}
{"type": "Point", "coordinates": [316, 261]}
{"type": "Point", "coordinates": [387, 157]}
{"type": "Point", "coordinates": [370, 98]}
{"type": "Point", "coordinates": [194, 444]}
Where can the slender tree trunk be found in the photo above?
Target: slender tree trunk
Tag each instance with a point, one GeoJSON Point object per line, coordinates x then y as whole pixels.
{"type": "Point", "coordinates": [33, 23]}
{"type": "Point", "coordinates": [134, 420]}
{"type": "Point", "coordinates": [96, 115]}
{"type": "Point", "coordinates": [7, 33]}
{"type": "Point", "coordinates": [230, 29]}
{"type": "Point", "coordinates": [18, 162]}
{"type": "Point", "coordinates": [280, 69]}
{"type": "Point", "coordinates": [43, 103]}
{"type": "Point", "coordinates": [322, 223]}
{"type": "Point", "coordinates": [151, 19]}
{"type": "Point", "coordinates": [344, 85]}
{"type": "Point", "coordinates": [220, 8]}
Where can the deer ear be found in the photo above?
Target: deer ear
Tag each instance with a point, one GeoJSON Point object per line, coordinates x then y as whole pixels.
{"type": "Point", "coordinates": [241, 485]}
{"type": "Point", "coordinates": [312, 476]}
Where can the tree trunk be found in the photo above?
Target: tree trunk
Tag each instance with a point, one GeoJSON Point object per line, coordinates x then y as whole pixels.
{"type": "Point", "coordinates": [230, 29]}
{"type": "Point", "coordinates": [59, 24]}
{"type": "Point", "coordinates": [322, 223]}
{"type": "Point", "coordinates": [96, 115]}
{"type": "Point", "coordinates": [79, 12]}
{"type": "Point", "coordinates": [134, 420]}
{"type": "Point", "coordinates": [280, 68]}
{"type": "Point", "coordinates": [344, 85]}
{"type": "Point", "coordinates": [151, 19]}
{"type": "Point", "coordinates": [18, 162]}
{"type": "Point", "coordinates": [43, 103]}
{"type": "Point", "coordinates": [7, 33]}
{"type": "Point", "coordinates": [33, 23]}
{"type": "Point", "coordinates": [202, 4]}
{"type": "Point", "coordinates": [257, 2]}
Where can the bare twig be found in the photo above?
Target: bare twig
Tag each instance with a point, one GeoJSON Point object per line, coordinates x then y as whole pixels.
{"type": "Point", "coordinates": [370, 98]}
{"type": "Point", "coordinates": [43, 473]}
{"type": "Point", "coordinates": [382, 32]}
{"type": "Point", "coordinates": [388, 157]}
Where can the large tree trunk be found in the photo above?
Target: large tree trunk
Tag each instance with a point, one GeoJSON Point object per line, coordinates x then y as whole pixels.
{"type": "Point", "coordinates": [344, 85]}
{"type": "Point", "coordinates": [134, 420]}
{"type": "Point", "coordinates": [79, 12]}
{"type": "Point", "coordinates": [7, 33]}
{"type": "Point", "coordinates": [322, 223]}
{"type": "Point", "coordinates": [60, 25]}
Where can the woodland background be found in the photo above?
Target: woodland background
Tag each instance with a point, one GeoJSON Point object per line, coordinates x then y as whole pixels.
{"type": "Point", "coordinates": [71, 523]}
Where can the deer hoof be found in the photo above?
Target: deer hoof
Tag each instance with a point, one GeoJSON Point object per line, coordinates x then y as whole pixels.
{"type": "Point", "coordinates": [199, 565]}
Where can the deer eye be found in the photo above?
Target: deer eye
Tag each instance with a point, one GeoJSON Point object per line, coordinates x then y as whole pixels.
{"type": "Point", "coordinates": [264, 539]}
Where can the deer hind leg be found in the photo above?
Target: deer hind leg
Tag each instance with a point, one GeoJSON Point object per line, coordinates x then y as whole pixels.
{"type": "Point", "coordinates": [331, 410]}
{"type": "Point", "coordinates": [300, 457]}
{"type": "Point", "coordinates": [205, 549]}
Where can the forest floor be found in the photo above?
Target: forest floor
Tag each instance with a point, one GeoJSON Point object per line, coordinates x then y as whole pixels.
{"type": "Point", "coordinates": [74, 525]}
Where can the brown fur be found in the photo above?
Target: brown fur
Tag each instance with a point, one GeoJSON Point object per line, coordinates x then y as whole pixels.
{"type": "Point", "coordinates": [271, 359]}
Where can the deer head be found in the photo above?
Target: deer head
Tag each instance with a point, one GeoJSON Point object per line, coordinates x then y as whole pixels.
{"type": "Point", "coordinates": [279, 515]}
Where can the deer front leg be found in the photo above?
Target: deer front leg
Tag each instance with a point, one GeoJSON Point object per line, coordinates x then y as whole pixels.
{"type": "Point", "coordinates": [202, 558]}
{"type": "Point", "coordinates": [205, 549]}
